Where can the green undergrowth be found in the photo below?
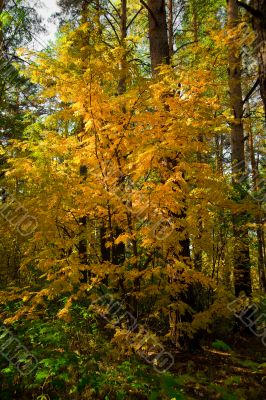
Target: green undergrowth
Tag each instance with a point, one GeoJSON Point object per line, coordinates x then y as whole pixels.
{"type": "Point", "coordinates": [76, 360]}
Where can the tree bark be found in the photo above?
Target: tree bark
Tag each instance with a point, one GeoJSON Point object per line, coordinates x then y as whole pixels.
{"type": "Point", "coordinates": [257, 9]}
{"type": "Point", "coordinates": [195, 21]}
{"type": "Point", "coordinates": [82, 245]}
{"type": "Point", "coordinates": [242, 277]}
{"type": "Point", "coordinates": [260, 42]}
{"type": "Point", "coordinates": [83, 172]}
{"type": "Point", "coordinates": [159, 47]}
{"type": "Point", "coordinates": [170, 28]}
{"type": "Point", "coordinates": [123, 33]}
{"type": "Point", "coordinates": [258, 218]}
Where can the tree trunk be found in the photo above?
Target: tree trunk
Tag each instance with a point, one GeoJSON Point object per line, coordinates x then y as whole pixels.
{"type": "Point", "coordinates": [259, 24]}
{"type": "Point", "coordinates": [242, 277]}
{"type": "Point", "coordinates": [123, 35]}
{"type": "Point", "coordinates": [257, 9]}
{"type": "Point", "coordinates": [83, 172]}
{"type": "Point", "coordinates": [195, 21]}
{"type": "Point", "coordinates": [82, 245]}
{"type": "Point", "coordinates": [118, 250]}
{"type": "Point", "coordinates": [159, 47]}
{"type": "Point", "coordinates": [1, 29]}
{"type": "Point", "coordinates": [260, 29]}
{"type": "Point", "coordinates": [170, 28]}
{"type": "Point", "coordinates": [258, 218]}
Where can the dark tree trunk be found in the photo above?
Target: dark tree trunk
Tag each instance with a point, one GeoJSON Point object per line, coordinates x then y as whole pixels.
{"type": "Point", "coordinates": [259, 24]}
{"type": "Point", "coordinates": [159, 47]}
{"type": "Point", "coordinates": [105, 251]}
{"type": "Point", "coordinates": [257, 9]}
{"type": "Point", "coordinates": [123, 35]}
{"type": "Point", "coordinates": [259, 217]}
{"type": "Point", "coordinates": [242, 277]}
{"type": "Point", "coordinates": [170, 28]}
{"type": "Point", "coordinates": [82, 245]}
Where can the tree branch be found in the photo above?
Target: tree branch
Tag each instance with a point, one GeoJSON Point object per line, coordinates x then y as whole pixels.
{"type": "Point", "coordinates": [114, 7]}
{"type": "Point", "coordinates": [100, 7]}
{"type": "Point", "coordinates": [184, 45]}
{"type": "Point", "coordinates": [255, 13]}
{"type": "Point", "coordinates": [150, 11]}
{"type": "Point", "coordinates": [135, 16]}
{"type": "Point", "coordinates": [251, 91]}
{"type": "Point", "coordinates": [113, 27]}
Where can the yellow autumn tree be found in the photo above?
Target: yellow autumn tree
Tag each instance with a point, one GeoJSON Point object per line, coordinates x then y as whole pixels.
{"type": "Point", "coordinates": [141, 152]}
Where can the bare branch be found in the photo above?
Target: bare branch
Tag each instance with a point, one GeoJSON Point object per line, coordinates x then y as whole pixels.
{"type": "Point", "coordinates": [113, 27]}
{"type": "Point", "coordinates": [135, 16]}
{"type": "Point", "coordinates": [114, 7]}
{"type": "Point", "coordinates": [150, 11]}
{"type": "Point", "coordinates": [251, 91]}
{"type": "Point", "coordinates": [100, 7]}
{"type": "Point", "coordinates": [184, 45]}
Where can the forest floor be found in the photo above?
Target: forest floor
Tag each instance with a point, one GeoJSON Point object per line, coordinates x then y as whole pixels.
{"type": "Point", "coordinates": [78, 360]}
{"type": "Point", "coordinates": [239, 373]}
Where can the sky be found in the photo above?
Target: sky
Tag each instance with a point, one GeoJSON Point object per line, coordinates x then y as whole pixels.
{"type": "Point", "coordinates": [48, 8]}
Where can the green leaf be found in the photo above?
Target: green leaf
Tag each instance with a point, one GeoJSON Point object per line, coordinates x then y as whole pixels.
{"type": "Point", "coordinates": [220, 345]}
{"type": "Point", "coordinates": [5, 18]}
{"type": "Point", "coordinates": [42, 375]}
